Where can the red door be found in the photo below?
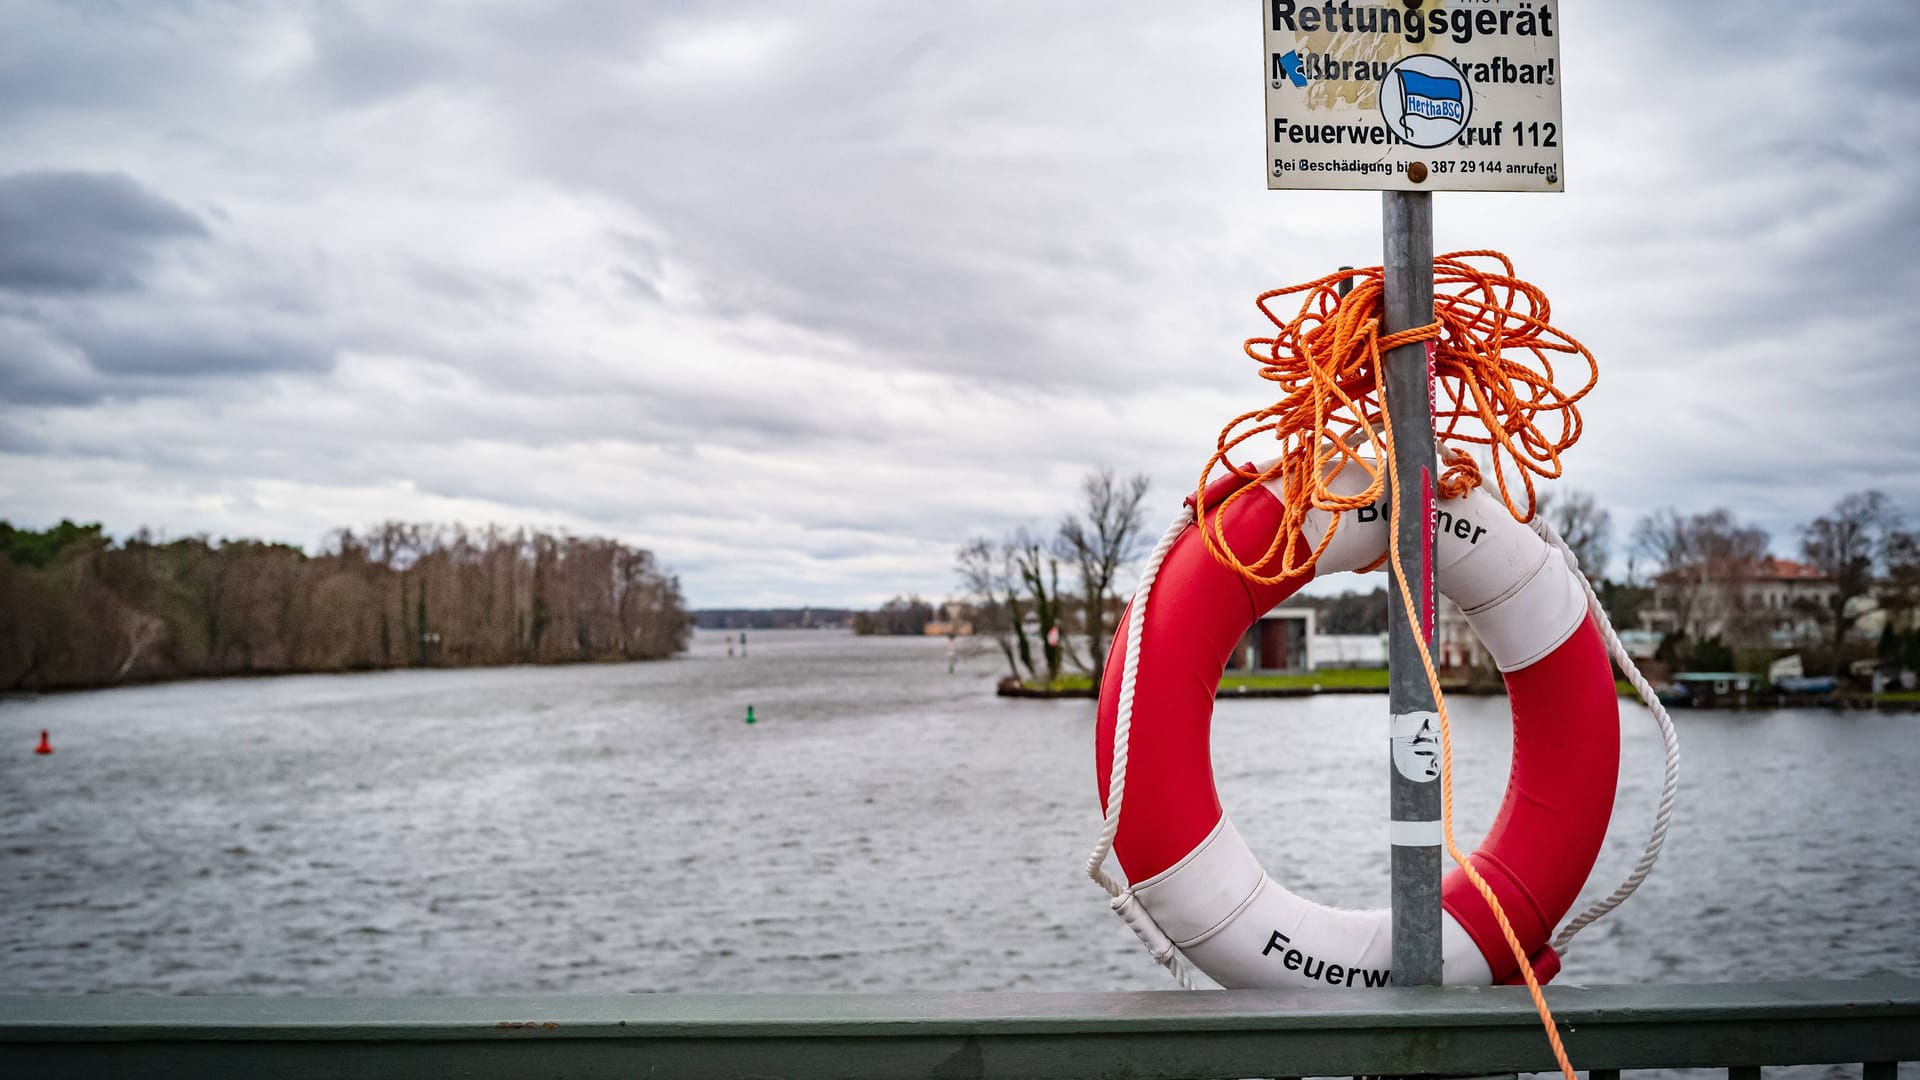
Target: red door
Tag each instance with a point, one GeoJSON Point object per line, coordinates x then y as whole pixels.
{"type": "Point", "coordinates": [1273, 644]}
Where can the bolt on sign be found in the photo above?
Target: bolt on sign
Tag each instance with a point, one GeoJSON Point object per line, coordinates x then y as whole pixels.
{"type": "Point", "coordinates": [1414, 95]}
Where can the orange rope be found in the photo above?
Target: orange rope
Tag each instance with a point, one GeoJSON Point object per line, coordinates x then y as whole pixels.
{"type": "Point", "coordinates": [1480, 885]}
{"type": "Point", "coordinates": [1493, 385]}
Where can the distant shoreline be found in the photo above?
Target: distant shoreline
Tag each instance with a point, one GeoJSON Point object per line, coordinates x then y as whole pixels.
{"type": "Point", "coordinates": [1010, 689]}
{"type": "Point", "coordinates": [230, 676]}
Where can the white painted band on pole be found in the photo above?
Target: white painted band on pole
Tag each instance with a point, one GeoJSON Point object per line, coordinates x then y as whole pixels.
{"type": "Point", "coordinates": [1416, 833]}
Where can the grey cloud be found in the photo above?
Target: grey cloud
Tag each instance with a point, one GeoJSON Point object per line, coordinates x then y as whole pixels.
{"type": "Point", "coordinates": [636, 286]}
{"type": "Point", "coordinates": [361, 53]}
{"type": "Point", "coordinates": [40, 369]}
{"type": "Point", "coordinates": [183, 347]}
{"type": "Point", "coordinates": [77, 352]}
{"type": "Point", "coordinates": [81, 231]}
{"type": "Point", "coordinates": [358, 63]}
{"type": "Point", "coordinates": [62, 57]}
{"type": "Point", "coordinates": [1803, 45]}
{"type": "Point", "coordinates": [472, 294]}
{"type": "Point", "coordinates": [852, 181]}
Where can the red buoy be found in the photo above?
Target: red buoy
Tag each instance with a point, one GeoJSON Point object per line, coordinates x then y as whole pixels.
{"type": "Point", "coordinates": [45, 747]}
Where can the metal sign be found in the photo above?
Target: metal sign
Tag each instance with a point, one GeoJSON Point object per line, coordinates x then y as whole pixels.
{"type": "Point", "coordinates": [1414, 95]}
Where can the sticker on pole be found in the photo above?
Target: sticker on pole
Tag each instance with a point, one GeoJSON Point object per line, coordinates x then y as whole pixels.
{"type": "Point", "coordinates": [1414, 95]}
{"type": "Point", "coordinates": [1415, 738]}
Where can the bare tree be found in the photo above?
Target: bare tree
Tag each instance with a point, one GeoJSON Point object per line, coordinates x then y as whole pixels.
{"type": "Point", "coordinates": [985, 575]}
{"type": "Point", "coordinates": [1900, 589]}
{"type": "Point", "coordinates": [1844, 545]}
{"type": "Point", "coordinates": [1584, 524]}
{"type": "Point", "coordinates": [1693, 552]}
{"type": "Point", "coordinates": [1040, 573]}
{"type": "Point", "coordinates": [1664, 540]}
{"type": "Point", "coordinates": [1098, 542]}
{"type": "Point", "coordinates": [1730, 556]}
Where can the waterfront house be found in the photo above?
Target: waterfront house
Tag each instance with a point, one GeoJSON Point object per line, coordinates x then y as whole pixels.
{"type": "Point", "coordinates": [1772, 602]}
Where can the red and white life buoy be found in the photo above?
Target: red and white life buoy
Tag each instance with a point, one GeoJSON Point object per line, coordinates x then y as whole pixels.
{"type": "Point", "coordinates": [1195, 883]}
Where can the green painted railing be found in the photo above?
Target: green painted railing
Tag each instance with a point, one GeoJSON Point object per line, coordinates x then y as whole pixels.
{"type": "Point", "coordinates": [1874, 1022]}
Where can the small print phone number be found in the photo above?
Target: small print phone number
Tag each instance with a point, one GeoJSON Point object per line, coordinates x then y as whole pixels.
{"type": "Point", "coordinates": [1442, 168]}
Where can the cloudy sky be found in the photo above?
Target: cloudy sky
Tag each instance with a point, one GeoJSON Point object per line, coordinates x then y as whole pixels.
{"type": "Point", "coordinates": [801, 295]}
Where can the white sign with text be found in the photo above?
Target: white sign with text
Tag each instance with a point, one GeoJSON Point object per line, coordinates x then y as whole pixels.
{"type": "Point", "coordinates": [1414, 95]}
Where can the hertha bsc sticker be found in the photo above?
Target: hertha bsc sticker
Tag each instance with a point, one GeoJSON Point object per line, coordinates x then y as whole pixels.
{"type": "Point", "coordinates": [1425, 100]}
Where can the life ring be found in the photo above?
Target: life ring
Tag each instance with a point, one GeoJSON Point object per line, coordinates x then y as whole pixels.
{"type": "Point", "coordinates": [1195, 883]}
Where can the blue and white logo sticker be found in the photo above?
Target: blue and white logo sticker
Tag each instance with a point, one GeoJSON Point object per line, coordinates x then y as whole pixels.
{"type": "Point", "coordinates": [1426, 100]}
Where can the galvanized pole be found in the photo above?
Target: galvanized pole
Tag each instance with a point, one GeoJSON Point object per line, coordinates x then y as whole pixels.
{"type": "Point", "coordinates": [1407, 219]}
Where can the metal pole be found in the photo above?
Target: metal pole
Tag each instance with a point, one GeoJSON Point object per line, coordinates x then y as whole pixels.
{"type": "Point", "coordinates": [1414, 799]}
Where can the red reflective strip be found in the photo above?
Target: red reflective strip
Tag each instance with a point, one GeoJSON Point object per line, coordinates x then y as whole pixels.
{"type": "Point", "coordinates": [1433, 396]}
{"type": "Point", "coordinates": [1428, 522]}
{"type": "Point", "coordinates": [1426, 509]}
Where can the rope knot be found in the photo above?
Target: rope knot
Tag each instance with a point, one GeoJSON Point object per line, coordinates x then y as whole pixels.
{"type": "Point", "coordinates": [1461, 475]}
{"type": "Point", "coordinates": [1429, 332]}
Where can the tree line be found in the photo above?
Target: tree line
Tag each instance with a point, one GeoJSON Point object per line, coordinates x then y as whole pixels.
{"type": "Point", "coordinates": [804, 618]}
{"type": "Point", "coordinates": [900, 615]}
{"type": "Point", "coordinates": [1684, 570]}
{"type": "Point", "coordinates": [1047, 600]}
{"type": "Point", "coordinates": [79, 610]}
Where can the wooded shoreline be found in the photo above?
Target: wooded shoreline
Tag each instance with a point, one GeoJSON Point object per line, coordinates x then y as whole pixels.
{"type": "Point", "coordinates": [78, 611]}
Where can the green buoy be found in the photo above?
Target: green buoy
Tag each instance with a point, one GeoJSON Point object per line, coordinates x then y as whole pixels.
{"type": "Point", "coordinates": [749, 714]}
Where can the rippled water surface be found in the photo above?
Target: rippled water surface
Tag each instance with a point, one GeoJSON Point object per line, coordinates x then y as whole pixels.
{"type": "Point", "coordinates": [885, 825]}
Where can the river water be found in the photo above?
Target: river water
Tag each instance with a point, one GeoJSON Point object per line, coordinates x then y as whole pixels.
{"type": "Point", "coordinates": [884, 826]}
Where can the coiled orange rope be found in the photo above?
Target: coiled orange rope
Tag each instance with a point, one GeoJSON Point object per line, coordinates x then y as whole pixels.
{"type": "Point", "coordinates": [1494, 386]}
